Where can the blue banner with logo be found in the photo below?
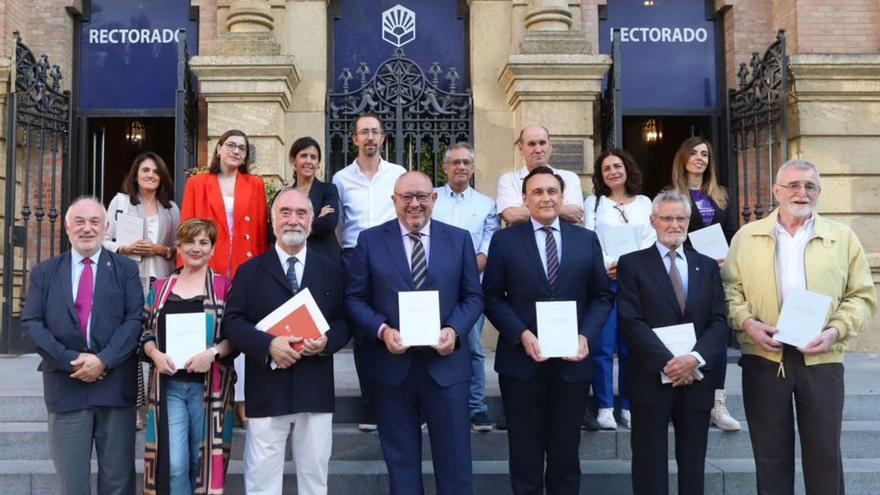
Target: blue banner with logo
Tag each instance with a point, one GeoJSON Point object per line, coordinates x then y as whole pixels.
{"type": "Point", "coordinates": [128, 53]}
{"type": "Point", "coordinates": [427, 31]}
{"type": "Point", "coordinates": [668, 53]}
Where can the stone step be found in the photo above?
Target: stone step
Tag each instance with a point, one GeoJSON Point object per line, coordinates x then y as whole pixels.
{"type": "Point", "coordinates": [29, 441]}
{"type": "Point", "coordinates": [608, 477]}
{"type": "Point", "coordinates": [32, 408]}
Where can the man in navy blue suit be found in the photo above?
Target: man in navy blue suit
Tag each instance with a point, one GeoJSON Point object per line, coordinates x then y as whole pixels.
{"type": "Point", "coordinates": [298, 390]}
{"type": "Point", "coordinates": [83, 312]}
{"type": "Point", "coordinates": [544, 399]}
{"type": "Point", "coordinates": [415, 253]}
{"type": "Point", "coordinates": [663, 285]}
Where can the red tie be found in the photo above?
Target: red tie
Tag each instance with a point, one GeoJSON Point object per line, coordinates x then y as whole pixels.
{"type": "Point", "coordinates": [84, 297]}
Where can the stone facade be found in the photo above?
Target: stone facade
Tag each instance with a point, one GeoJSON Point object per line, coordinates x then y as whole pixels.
{"type": "Point", "coordinates": [531, 61]}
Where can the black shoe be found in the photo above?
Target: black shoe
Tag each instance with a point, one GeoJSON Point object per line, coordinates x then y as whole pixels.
{"type": "Point", "coordinates": [589, 423]}
{"type": "Point", "coordinates": [368, 421]}
{"type": "Point", "coordinates": [501, 424]}
{"type": "Point", "coordinates": [480, 422]}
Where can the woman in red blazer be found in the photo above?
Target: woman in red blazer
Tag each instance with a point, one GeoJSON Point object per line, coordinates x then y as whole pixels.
{"type": "Point", "coordinates": [234, 200]}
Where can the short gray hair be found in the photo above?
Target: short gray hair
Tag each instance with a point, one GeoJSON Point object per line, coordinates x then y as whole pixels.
{"type": "Point", "coordinates": [797, 164]}
{"type": "Point", "coordinates": [671, 196]}
{"type": "Point", "coordinates": [461, 145]}
{"type": "Point", "coordinates": [83, 199]}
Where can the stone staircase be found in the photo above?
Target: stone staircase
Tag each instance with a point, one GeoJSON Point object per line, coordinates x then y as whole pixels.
{"type": "Point", "coordinates": [357, 465]}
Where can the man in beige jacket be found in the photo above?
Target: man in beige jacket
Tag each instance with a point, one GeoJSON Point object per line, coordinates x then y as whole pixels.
{"type": "Point", "coordinates": [795, 248]}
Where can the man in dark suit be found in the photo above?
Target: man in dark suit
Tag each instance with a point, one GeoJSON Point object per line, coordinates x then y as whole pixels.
{"type": "Point", "coordinates": [544, 399]}
{"type": "Point", "coordinates": [667, 284]}
{"type": "Point", "coordinates": [83, 312]}
{"type": "Point", "coordinates": [415, 253]}
{"type": "Point", "coordinates": [283, 386]}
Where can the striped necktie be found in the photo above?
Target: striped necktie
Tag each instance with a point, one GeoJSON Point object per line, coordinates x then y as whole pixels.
{"type": "Point", "coordinates": [677, 283]}
{"type": "Point", "coordinates": [291, 274]}
{"type": "Point", "coordinates": [552, 256]}
{"type": "Point", "coordinates": [418, 262]}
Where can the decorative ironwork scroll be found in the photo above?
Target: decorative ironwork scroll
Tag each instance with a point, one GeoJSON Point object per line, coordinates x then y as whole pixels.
{"type": "Point", "coordinates": [758, 126]}
{"type": "Point", "coordinates": [185, 119]}
{"type": "Point", "coordinates": [612, 111]}
{"type": "Point", "coordinates": [37, 179]}
{"type": "Point", "coordinates": [422, 114]}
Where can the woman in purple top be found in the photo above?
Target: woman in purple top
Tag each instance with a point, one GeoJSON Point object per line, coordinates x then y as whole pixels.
{"type": "Point", "coordinates": [694, 174]}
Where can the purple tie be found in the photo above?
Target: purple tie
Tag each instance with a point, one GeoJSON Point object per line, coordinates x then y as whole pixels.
{"type": "Point", "coordinates": [84, 297]}
{"type": "Point", "coordinates": [552, 257]}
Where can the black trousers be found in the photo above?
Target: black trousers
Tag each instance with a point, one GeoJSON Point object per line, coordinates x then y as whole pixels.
{"type": "Point", "coordinates": [544, 416]}
{"type": "Point", "coordinates": [650, 446]}
{"type": "Point", "coordinates": [818, 398]}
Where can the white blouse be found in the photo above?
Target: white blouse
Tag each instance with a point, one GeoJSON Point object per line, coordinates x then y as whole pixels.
{"type": "Point", "coordinates": [636, 214]}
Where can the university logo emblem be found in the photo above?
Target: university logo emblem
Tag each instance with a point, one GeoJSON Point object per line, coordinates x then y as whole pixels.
{"type": "Point", "coordinates": [398, 25]}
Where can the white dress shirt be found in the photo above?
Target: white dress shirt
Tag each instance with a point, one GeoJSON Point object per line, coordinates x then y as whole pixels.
{"type": "Point", "coordinates": [608, 215]}
{"type": "Point", "coordinates": [469, 210]}
{"type": "Point", "coordinates": [76, 271]}
{"type": "Point", "coordinates": [408, 242]}
{"type": "Point", "coordinates": [298, 268]}
{"type": "Point", "coordinates": [541, 240]}
{"type": "Point", "coordinates": [510, 189]}
{"type": "Point", "coordinates": [363, 202]}
{"type": "Point", "coordinates": [790, 256]}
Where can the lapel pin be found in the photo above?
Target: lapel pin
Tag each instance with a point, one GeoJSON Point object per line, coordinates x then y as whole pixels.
{"type": "Point", "coordinates": [108, 263]}
{"type": "Point", "coordinates": [697, 268]}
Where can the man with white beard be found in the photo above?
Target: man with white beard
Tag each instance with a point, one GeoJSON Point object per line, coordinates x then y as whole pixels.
{"type": "Point", "coordinates": [297, 390]}
{"type": "Point", "coordinates": [770, 260]}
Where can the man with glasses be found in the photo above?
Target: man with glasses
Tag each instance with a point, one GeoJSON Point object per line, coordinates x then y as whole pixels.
{"type": "Point", "coordinates": [533, 144]}
{"type": "Point", "coordinates": [460, 205]}
{"type": "Point", "coordinates": [415, 253]}
{"type": "Point", "coordinates": [663, 285]}
{"type": "Point", "coordinates": [365, 187]}
{"type": "Point", "coordinates": [794, 248]}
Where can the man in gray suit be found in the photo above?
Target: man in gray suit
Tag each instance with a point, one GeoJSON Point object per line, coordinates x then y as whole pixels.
{"type": "Point", "coordinates": [83, 312]}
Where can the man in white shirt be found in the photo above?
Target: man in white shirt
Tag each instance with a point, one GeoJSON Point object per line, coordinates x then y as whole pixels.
{"type": "Point", "coordinates": [365, 188]}
{"type": "Point", "coordinates": [460, 205]}
{"type": "Point", "coordinates": [534, 146]}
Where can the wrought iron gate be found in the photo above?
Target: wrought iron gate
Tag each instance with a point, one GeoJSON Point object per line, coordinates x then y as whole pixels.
{"type": "Point", "coordinates": [421, 117]}
{"type": "Point", "coordinates": [611, 106]}
{"type": "Point", "coordinates": [758, 126]}
{"type": "Point", "coordinates": [37, 180]}
{"type": "Point", "coordinates": [185, 119]}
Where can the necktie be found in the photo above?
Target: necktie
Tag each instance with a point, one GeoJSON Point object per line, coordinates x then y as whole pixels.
{"type": "Point", "coordinates": [418, 262]}
{"type": "Point", "coordinates": [84, 297]}
{"type": "Point", "coordinates": [675, 277]}
{"type": "Point", "coordinates": [291, 274]}
{"type": "Point", "coordinates": [552, 256]}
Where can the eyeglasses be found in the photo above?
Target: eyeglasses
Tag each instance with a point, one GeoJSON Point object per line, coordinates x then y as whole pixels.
{"type": "Point", "coordinates": [423, 198]}
{"type": "Point", "coordinates": [232, 147]}
{"type": "Point", "coordinates": [668, 219]}
{"type": "Point", "coordinates": [369, 132]}
{"type": "Point", "coordinates": [619, 209]}
{"type": "Point", "coordinates": [793, 187]}
{"type": "Point", "coordinates": [466, 162]}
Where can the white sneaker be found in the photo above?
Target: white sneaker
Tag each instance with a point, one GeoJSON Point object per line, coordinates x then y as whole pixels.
{"type": "Point", "coordinates": [626, 418]}
{"type": "Point", "coordinates": [605, 418]}
{"type": "Point", "coordinates": [721, 416]}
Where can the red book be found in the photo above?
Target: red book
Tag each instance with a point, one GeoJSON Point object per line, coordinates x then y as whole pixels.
{"type": "Point", "coordinates": [299, 316]}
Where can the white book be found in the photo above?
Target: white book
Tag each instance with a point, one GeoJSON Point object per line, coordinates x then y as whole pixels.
{"type": "Point", "coordinates": [619, 240]}
{"type": "Point", "coordinates": [802, 318]}
{"type": "Point", "coordinates": [129, 229]}
{"type": "Point", "coordinates": [185, 336]}
{"type": "Point", "coordinates": [557, 328]}
{"type": "Point", "coordinates": [419, 317]}
{"type": "Point", "coordinates": [680, 340]}
{"type": "Point", "coordinates": [710, 241]}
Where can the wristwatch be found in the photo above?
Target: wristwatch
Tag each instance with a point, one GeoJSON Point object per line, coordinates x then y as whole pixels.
{"type": "Point", "coordinates": [215, 352]}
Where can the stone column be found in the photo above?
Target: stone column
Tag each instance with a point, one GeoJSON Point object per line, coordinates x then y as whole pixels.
{"type": "Point", "coordinates": [247, 83]}
{"type": "Point", "coordinates": [555, 81]}
{"type": "Point", "coordinates": [834, 122]}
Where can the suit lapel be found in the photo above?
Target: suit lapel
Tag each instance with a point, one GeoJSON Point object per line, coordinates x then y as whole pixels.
{"type": "Point", "coordinates": [439, 239]}
{"type": "Point", "coordinates": [695, 278]}
{"type": "Point", "coordinates": [103, 275]}
{"type": "Point", "coordinates": [566, 262]}
{"type": "Point", "coordinates": [65, 270]}
{"type": "Point", "coordinates": [394, 242]}
{"type": "Point", "coordinates": [657, 269]}
{"type": "Point", "coordinates": [215, 200]}
{"type": "Point", "coordinates": [269, 262]}
{"type": "Point", "coordinates": [527, 237]}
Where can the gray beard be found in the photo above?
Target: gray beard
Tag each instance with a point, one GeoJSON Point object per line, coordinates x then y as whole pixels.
{"type": "Point", "coordinates": [292, 239]}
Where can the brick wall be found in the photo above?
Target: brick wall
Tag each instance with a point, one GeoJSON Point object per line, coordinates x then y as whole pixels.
{"type": "Point", "coordinates": [838, 26]}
